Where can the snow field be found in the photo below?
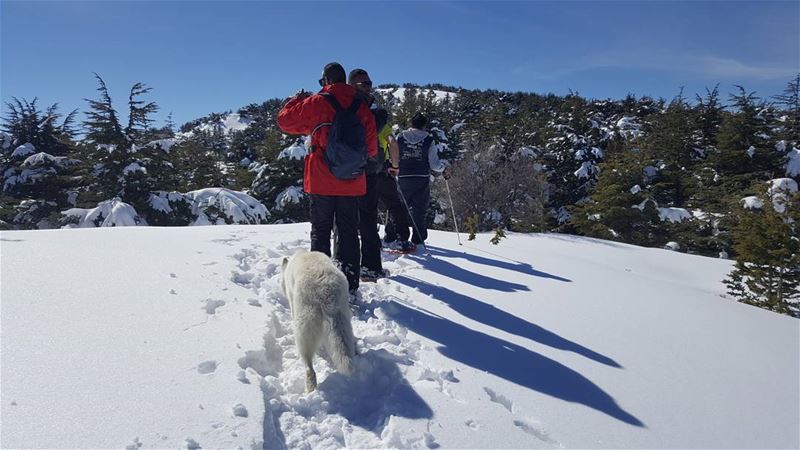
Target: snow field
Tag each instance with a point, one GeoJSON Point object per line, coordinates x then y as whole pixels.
{"type": "Point", "coordinates": [147, 337]}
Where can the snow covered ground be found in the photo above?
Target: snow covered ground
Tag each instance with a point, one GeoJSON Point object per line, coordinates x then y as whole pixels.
{"type": "Point", "coordinates": [180, 337]}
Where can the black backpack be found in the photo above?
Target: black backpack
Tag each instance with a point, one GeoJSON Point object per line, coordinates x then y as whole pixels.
{"type": "Point", "coordinates": [346, 152]}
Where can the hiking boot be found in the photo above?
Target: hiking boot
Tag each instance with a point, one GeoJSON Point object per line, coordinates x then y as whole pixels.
{"type": "Point", "coordinates": [407, 247]}
{"type": "Point", "coordinates": [369, 275]}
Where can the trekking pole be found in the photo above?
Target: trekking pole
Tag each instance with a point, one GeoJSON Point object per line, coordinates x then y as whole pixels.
{"type": "Point", "coordinates": [453, 210]}
{"type": "Point", "coordinates": [408, 211]}
{"type": "Point", "coordinates": [335, 240]}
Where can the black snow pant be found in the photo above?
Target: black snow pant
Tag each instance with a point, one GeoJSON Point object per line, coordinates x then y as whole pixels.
{"type": "Point", "coordinates": [325, 210]}
{"type": "Point", "coordinates": [398, 223]}
{"type": "Point", "coordinates": [417, 193]}
{"type": "Point", "coordinates": [368, 227]}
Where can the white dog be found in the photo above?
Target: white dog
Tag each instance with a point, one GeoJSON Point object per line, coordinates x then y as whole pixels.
{"type": "Point", "coordinates": [319, 300]}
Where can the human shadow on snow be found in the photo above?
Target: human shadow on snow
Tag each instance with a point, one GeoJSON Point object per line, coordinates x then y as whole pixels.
{"type": "Point", "coordinates": [455, 272]}
{"type": "Point", "coordinates": [508, 361]}
{"type": "Point", "coordinates": [495, 317]}
{"type": "Point", "coordinates": [515, 266]}
{"type": "Point", "coordinates": [375, 391]}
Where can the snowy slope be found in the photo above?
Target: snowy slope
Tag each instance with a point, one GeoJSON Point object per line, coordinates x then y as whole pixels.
{"type": "Point", "coordinates": [180, 337]}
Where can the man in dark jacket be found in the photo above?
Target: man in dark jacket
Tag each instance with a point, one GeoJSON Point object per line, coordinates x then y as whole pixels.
{"type": "Point", "coordinates": [386, 160]}
{"type": "Point", "coordinates": [332, 199]}
{"type": "Point", "coordinates": [418, 159]}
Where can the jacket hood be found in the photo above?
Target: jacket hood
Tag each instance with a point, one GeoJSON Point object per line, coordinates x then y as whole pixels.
{"type": "Point", "coordinates": [413, 135]}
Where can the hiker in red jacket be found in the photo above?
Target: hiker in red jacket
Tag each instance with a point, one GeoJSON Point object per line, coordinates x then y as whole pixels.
{"type": "Point", "coordinates": [333, 199]}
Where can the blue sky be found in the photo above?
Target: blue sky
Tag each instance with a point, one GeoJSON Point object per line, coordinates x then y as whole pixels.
{"type": "Point", "coordinates": [210, 56]}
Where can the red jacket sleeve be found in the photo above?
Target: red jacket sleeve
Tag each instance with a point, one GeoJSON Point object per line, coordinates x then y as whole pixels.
{"type": "Point", "coordinates": [300, 115]}
{"type": "Point", "coordinates": [369, 126]}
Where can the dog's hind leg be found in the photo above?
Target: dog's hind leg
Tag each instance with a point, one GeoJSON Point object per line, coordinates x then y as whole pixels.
{"type": "Point", "coordinates": [307, 336]}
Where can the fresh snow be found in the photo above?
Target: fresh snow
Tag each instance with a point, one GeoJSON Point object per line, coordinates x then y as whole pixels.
{"type": "Point", "coordinates": [298, 149]}
{"type": "Point", "coordinates": [133, 168]}
{"type": "Point", "coordinates": [673, 214]}
{"type": "Point", "coordinates": [779, 185]}
{"type": "Point", "coordinates": [231, 122]}
{"type": "Point", "coordinates": [236, 206]}
{"type": "Point", "coordinates": [586, 170]}
{"type": "Point", "coordinates": [164, 144]}
{"type": "Point", "coordinates": [23, 150]}
{"type": "Point", "coordinates": [45, 159]}
{"type": "Point", "coordinates": [181, 337]}
{"type": "Point", "coordinates": [779, 191]}
{"type": "Point", "coordinates": [6, 140]}
{"type": "Point", "coordinates": [160, 200]}
{"type": "Point", "coordinates": [110, 213]}
{"type": "Point", "coordinates": [752, 202]}
{"type": "Point", "coordinates": [401, 93]}
{"type": "Point", "coordinates": [292, 194]}
{"type": "Point", "coordinates": [235, 122]}
{"type": "Point", "coordinates": [793, 163]}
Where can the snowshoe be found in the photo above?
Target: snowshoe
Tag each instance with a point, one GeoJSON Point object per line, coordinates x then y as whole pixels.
{"type": "Point", "coordinates": [403, 248]}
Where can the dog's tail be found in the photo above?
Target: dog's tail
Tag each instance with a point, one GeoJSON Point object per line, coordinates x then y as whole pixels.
{"type": "Point", "coordinates": [341, 342]}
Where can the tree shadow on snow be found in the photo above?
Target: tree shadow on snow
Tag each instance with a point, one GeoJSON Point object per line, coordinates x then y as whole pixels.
{"type": "Point", "coordinates": [511, 265]}
{"type": "Point", "coordinates": [375, 391]}
{"type": "Point", "coordinates": [495, 317]}
{"type": "Point", "coordinates": [508, 361]}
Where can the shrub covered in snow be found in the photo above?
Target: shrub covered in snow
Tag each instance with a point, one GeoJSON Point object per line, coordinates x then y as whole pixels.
{"type": "Point", "coordinates": [169, 209]}
{"type": "Point", "coordinates": [217, 206]}
{"type": "Point", "coordinates": [110, 213]}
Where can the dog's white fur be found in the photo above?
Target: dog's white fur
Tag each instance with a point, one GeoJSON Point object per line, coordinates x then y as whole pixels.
{"type": "Point", "coordinates": [319, 300]}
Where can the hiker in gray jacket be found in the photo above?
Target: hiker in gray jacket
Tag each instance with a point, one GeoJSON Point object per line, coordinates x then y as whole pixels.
{"type": "Point", "coordinates": [418, 159]}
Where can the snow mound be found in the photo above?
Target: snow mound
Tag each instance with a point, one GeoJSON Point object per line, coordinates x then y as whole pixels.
{"type": "Point", "coordinates": [165, 144]}
{"type": "Point", "coordinates": [674, 215]}
{"type": "Point", "coordinates": [133, 168]}
{"type": "Point", "coordinates": [292, 194]}
{"type": "Point", "coordinates": [160, 200]}
{"type": "Point", "coordinates": [793, 163]}
{"type": "Point", "coordinates": [46, 159]}
{"type": "Point", "coordinates": [629, 127]}
{"type": "Point", "coordinates": [780, 191]}
{"type": "Point", "coordinates": [231, 122]}
{"type": "Point", "coordinates": [6, 140]}
{"type": "Point", "coordinates": [298, 150]}
{"type": "Point", "coordinates": [782, 185]}
{"type": "Point", "coordinates": [586, 170]}
{"type": "Point", "coordinates": [401, 93]}
{"type": "Point", "coordinates": [752, 202]}
{"type": "Point", "coordinates": [110, 213]}
{"type": "Point", "coordinates": [216, 206]}
{"type": "Point", "coordinates": [26, 176]}
{"type": "Point", "coordinates": [22, 150]}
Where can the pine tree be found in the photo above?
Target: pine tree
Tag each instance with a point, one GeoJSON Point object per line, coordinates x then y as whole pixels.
{"type": "Point", "coordinates": [619, 208]}
{"type": "Point", "coordinates": [27, 124]}
{"type": "Point", "coordinates": [139, 113]}
{"type": "Point", "coordinates": [102, 125]}
{"type": "Point", "coordinates": [123, 169]}
{"type": "Point", "coordinates": [767, 271]}
{"type": "Point", "coordinates": [169, 125]}
{"type": "Point", "coordinates": [790, 99]}
{"type": "Point", "coordinates": [708, 114]}
{"type": "Point", "coordinates": [669, 146]}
